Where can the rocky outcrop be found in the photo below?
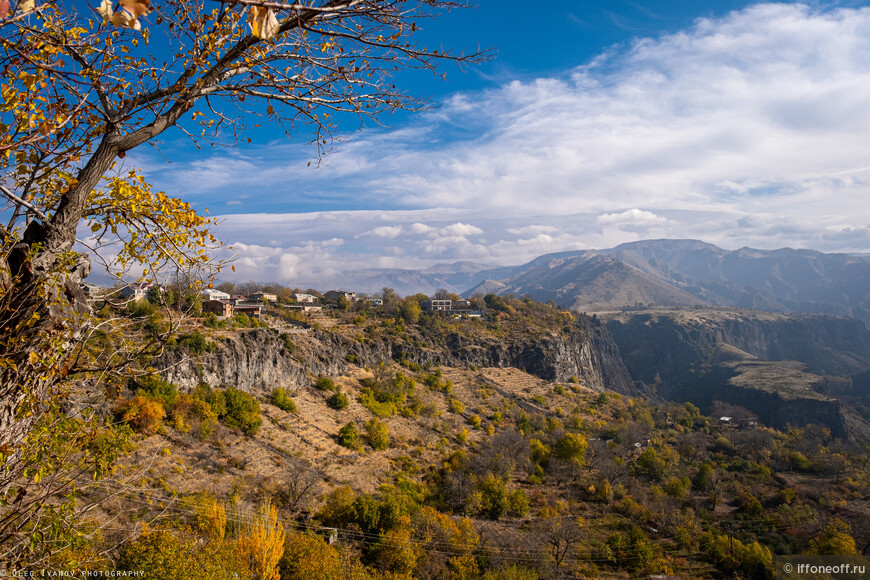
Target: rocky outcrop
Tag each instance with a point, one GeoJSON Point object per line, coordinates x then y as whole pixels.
{"type": "Point", "coordinates": [768, 363]}
{"type": "Point", "coordinates": [249, 360]}
{"type": "Point", "coordinates": [258, 359]}
{"type": "Point", "coordinates": [669, 343]}
{"type": "Point", "coordinates": [588, 354]}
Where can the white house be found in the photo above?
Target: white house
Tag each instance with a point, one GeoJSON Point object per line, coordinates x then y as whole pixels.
{"type": "Point", "coordinates": [212, 294]}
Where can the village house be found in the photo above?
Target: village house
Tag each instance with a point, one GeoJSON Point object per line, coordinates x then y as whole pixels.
{"type": "Point", "coordinates": [305, 298]}
{"type": "Point", "coordinates": [137, 291]}
{"type": "Point", "coordinates": [457, 308]}
{"type": "Point", "coordinates": [212, 294]}
{"type": "Point", "coordinates": [436, 305]}
{"type": "Point", "coordinates": [263, 297]}
{"type": "Point", "coordinates": [218, 307]}
{"type": "Point", "coordinates": [337, 295]}
{"type": "Point", "coordinates": [252, 309]}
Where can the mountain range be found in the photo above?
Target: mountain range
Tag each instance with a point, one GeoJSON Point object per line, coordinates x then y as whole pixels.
{"type": "Point", "coordinates": [665, 272]}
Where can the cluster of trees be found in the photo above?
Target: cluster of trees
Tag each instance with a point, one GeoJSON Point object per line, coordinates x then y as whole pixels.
{"type": "Point", "coordinates": [155, 399]}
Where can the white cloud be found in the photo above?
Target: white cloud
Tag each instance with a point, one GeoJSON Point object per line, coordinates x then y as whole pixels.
{"type": "Point", "coordinates": [383, 232]}
{"type": "Point", "coordinates": [534, 229]}
{"type": "Point", "coordinates": [461, 230]}
{"type": "Point", "coordinates": [418, 228]}
{"type": "Point", "coordinates": [631, 217]}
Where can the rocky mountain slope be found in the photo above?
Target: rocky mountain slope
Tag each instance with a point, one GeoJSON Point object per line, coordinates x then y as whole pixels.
{"type": "Point", "coordinates": [785, 368]}
{"type": "Point", "coordinates": [656, 272]}
{"type": "Point", "coordinates": [259, 359]}
{"type": "Point", "coordinates": [689, 272]}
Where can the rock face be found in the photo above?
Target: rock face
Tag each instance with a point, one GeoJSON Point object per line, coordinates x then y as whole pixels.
{"type": "Point", "coordinates": [781, 394]}
{"type": "Point", "coordinates": [249, 360]}
{"type": "Point", "coordinates": [669, 343]}
{"type": "Point", "coordinates": [761, 361]}
{"type": "Point", "coordinates": [258, 359]}
{"type": "Point", "coordinates": [589, 354]}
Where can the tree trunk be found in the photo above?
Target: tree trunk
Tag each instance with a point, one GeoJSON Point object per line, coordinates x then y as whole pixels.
{"type": "Point", "coordinates": [43, 311]}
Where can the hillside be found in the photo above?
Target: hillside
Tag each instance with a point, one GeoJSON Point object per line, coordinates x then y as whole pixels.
{"type": "Point", "coordinates": [420, 449]}
{"type": "Point", "coordinates": [589, 283]}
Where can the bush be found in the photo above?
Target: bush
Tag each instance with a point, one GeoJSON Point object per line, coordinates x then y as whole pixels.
{"type": "Point", "coordinates": [191, 413]}
{"type": "Point", "coordinates": [282, 400]}
{"type": "Point", "coordinates": [156, 388]}
{"type": "Point", "coordinates": [195, 342]}
{"type": "Point", "coordinates": [377, 434]}
{"type": "Point", "coordinates": [367, 400]}
{"type": "Point", "coordinates": [493, 496]}
{"type": "Point", "coordinates": [338, 401]}
{"type": "Point", "coordinates": [348, 436]}
{"type": "Point", "coordinates": [289, 346]}
{"type": "Point", "coordinates": [325, 384]}
{"type": "Point", "coordinates": [571, 447]}
{"type": "Point", "coordinates": [517, 503]}
{"type": "Point", "coordinates": [143, 413]}
{"type": "Point", "coordinates": [242, 411]}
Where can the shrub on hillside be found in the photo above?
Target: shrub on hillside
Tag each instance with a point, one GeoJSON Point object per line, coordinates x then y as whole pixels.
{"type": "Point", "coordinates": [144, 414]}
{"type": "Point", "coordinates": [325, 383]}
{"type": "Point", "coordinates": [282, 400]}
{"type": "Point", "coordinates": [154, 387]}
{"type": "Point", "coordinates": [348, 436]}
{"type": "Point", "coordinates": [338, 401]}
{"type": "Point", "coordinates": [377, 434]}
{"type": "Point", "coordinates": [242, 411]}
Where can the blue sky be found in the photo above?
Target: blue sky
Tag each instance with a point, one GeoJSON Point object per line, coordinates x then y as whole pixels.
{"type": "Point", "coordinates": [598, 123]}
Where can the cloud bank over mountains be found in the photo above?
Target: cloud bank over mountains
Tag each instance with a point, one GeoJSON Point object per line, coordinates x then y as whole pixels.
{"type": "Point", "coordinates": [750, 129]}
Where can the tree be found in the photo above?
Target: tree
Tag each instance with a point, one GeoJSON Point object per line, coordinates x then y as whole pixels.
{"type": "Point", "coordinates": [835, 539]}
{"type": "Point", "coordinates": [410, 310]}
{"type": "Point", "coordinates": [561, 532]}
{"type": "Point", "coordinates": [263, 544]}
{"type": "Point", "coordinates": [300, 483]}
{"type": "Point", "coordinates": [377, 434]}
{"type": "Point", "coordinates": [390, 299]}
{"type": "Point", "coordinates": [80, 93]}
{"type": "Point", "coordinates": [571, 448]}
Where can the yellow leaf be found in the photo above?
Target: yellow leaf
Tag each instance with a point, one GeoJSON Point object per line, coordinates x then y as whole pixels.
{"type": "Point", "coordinates": [105, 10]}
{"type": "Point", "coordinates": [137, 7]}
{"type": "Point", "coordinates": [263, 22]}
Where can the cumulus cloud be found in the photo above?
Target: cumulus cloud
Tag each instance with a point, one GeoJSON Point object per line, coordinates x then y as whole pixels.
{"type": "Point", "coordinates": [461, 230]}
{"type": "Point", "coordinates": [631, 217]}
{"type": "Point", "coordinates": [418, 228]}
{"type": "Point", "coordinates": [533, 229]}
{"type": "Point", "coordinates": [383, 232]}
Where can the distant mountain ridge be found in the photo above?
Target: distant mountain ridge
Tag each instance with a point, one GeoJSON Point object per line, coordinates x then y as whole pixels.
{"type": "Point", "coordinates": [665, 272]}
{"type": "Point", "coordinates": [689, 273]}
